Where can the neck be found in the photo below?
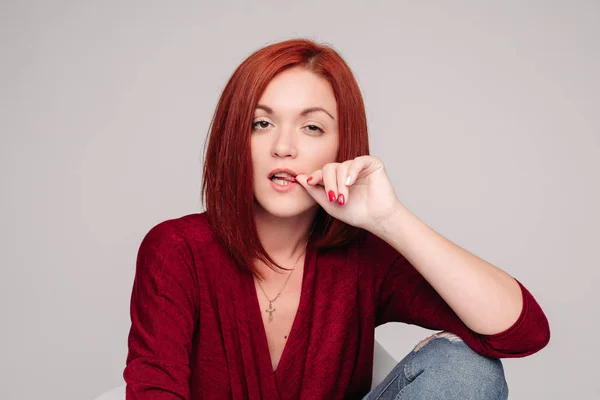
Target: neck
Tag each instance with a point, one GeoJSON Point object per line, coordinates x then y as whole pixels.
{"type": "Point", "coordinates": [284, 238]}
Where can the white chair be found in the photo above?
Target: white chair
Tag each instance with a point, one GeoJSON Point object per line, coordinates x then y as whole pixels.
{"type": "Point", "coordinates": [383, 362]}
{"type": "Point", "coordinates": [117, 393]}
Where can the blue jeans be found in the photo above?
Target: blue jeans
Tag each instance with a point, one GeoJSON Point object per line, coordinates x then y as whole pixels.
{"type": "Point", "coordinates": [443, 367]}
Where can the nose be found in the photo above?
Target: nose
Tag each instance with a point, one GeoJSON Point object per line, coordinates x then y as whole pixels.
{"type": "Point", "coordinates": [284, 144]}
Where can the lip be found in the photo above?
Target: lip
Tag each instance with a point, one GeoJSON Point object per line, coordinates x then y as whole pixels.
{"type": "Point", "coordinates": [280, 188]}
{"type": "Point", "coordinates": [283, 189]}
{"type": "Point", "coordinates": [286, 170]}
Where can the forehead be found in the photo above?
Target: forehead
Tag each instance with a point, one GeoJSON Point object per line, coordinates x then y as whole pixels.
{"type": "Point", "coordinates": [296, 89]}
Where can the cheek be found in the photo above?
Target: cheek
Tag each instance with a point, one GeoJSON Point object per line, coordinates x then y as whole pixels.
{"type": "Point", "coordinates": [255, 158]}
{"type": "Point", "coordinates": [327, 153]}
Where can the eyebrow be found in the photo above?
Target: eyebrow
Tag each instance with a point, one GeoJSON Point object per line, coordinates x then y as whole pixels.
{"type": "Point", "coordinates": [304, 112]}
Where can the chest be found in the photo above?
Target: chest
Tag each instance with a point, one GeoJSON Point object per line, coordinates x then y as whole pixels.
{"type": "Point", "coordinates": [327, 309]}
{"type": "Point", "coordinates": [283, 311]}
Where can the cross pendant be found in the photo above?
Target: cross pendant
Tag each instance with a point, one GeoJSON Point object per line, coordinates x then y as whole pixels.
{"type": "Point", "coordinates": [270, 311]}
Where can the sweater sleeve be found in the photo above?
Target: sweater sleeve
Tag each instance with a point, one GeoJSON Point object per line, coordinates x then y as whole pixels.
{"type": "Point", "coordinates": [404, 295]}
{"type": "Point", "coordinates": [164, 314]}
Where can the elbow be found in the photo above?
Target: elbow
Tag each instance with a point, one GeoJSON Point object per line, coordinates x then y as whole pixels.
{"type": "Point", "coordinates": [528, 335]}
{"type": "Point", "coordinates": [537, 338]}
{"type": "Point", "coordinates": [542, 336]}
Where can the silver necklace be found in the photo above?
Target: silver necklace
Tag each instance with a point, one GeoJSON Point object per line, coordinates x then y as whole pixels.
{"type": "Point", "coordinates": [270, 310]}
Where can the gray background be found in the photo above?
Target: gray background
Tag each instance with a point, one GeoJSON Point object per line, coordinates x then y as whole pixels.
{"type": "Point", "coordinates": [484, 113]}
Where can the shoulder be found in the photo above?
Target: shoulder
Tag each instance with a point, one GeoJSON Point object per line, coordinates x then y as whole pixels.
{"type": "Point", "coordinates": [374, 250]}
{"type": "Point", "coordinates": [191, 231]}
{"type": "Point", "coordinates": [191, 227]}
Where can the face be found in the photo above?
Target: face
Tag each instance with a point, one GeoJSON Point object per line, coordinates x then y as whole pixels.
{"type": "Point", "coordinates": [295, 127]}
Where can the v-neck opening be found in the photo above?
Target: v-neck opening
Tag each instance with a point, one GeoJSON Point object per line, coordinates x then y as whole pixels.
{"type": "Point", "coordinates": [292, 339]}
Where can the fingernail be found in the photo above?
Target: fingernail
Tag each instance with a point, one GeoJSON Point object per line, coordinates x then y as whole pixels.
{"type": "Point", "coordinates": [341, 200]}
{"type": "Point", "coordinates": [331, 195]}
{"type": "Point", "coordinates": [348, 180]}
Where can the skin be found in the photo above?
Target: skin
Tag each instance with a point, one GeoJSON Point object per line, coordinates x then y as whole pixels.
{"type": "Point", "coordinates": [284, 138]}
{"type": "Point", "coordinates": [486, 298]}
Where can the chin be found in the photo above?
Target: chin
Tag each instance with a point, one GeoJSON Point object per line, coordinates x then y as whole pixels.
{"type": "Point", "coordinates": [284, 209]}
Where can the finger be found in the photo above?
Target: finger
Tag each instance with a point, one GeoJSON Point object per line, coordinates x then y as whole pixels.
{"type": "Point", "coordinates": [315, 191]}
{"type": "Point", "coordinates": [312, 179]}
{"type": "Point", "coordinates": [315, 178]}
{"type": "Point", "coordinates": [330, 181]}
{"type": "Point", "coordinates": [358, 164]}
{"type": "Point", "coordinates": [342, 189]}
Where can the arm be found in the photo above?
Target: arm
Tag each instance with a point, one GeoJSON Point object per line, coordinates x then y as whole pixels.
{"type": "Point", "coordinates": [486, 299]}
{"type": "Point", "coordinates": [164, 312]}
{"type": "Point", "coordinates": [433, 283]}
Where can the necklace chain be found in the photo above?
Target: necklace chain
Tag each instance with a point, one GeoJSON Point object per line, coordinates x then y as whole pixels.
{"type": "Point", "coordinates": [270, 310]}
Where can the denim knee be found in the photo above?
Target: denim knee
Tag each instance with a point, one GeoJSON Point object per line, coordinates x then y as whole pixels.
{"type": "Point", "coordinates": [448, 365]}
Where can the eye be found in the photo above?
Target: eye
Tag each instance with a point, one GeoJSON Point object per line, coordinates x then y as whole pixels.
{"type": "Point", "coordinates": [315, 127]}
{"type": "Point", "coordinates": [260, 125]}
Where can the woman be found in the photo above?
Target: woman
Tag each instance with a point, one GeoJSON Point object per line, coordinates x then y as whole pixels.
{"type": "Point", "coordinates": [275, 291]}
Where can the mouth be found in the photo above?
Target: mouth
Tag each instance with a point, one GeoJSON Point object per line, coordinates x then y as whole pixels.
{"type": "Point", "coordinates": [283, 181]}
{"type": "Point", "coordinates": [283, 177]}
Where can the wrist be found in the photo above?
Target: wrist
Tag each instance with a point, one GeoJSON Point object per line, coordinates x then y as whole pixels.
{"type": "Point", "coordinates": [387, 224]}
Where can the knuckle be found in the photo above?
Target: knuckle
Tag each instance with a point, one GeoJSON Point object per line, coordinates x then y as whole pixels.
{"type": "Point", "coordinates": [328, 167]}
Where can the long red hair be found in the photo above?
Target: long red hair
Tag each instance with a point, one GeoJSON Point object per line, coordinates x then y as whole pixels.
{"type": "Point", "coordinates": [227, 188]}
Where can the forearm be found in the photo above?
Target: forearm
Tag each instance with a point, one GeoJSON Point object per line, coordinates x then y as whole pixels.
{"type": "Point", "coordinates": [485, 298]}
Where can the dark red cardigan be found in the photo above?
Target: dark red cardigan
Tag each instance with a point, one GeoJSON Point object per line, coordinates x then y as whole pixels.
{"type": "Point", "coordinates": [197, 330]}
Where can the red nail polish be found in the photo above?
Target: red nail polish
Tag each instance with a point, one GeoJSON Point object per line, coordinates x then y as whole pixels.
{"type": "Point", "coordinates": [331, 195]}
{"type": "Point", "coordinates": [309, 179]}
{"type": "Point", "coordinates": [341, 200]}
